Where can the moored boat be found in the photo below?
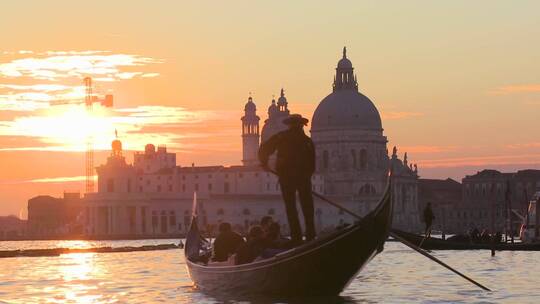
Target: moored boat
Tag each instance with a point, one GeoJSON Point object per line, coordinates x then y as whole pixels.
{"type": "Point", "coordinates": [324, 266]}
{"type": "Point", "coordinates": [433, 243]}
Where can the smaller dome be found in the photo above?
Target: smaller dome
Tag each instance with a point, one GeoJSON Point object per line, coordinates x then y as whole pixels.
{"type": "Point", "coordinates": [250, 105]}
{"type": "Point", "coordinates": [282, 100]}
{"type": "Point", "coordinates": [272, 108]}
{"type": "Point", "coordinates": [116, 145]}
{"type": "Point", "coordinates": [344, 63]}
{"type": "Point", "coordinates": [149, 148]}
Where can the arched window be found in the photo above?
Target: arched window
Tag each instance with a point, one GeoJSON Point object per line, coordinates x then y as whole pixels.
{"type": "Point", "coordinates": [353, 154]}
{"type": "Point", "coordinates": [363, 159]}
{"type": "Point", "coordinates": [367, 189]}
{"type": "Point", "coordinates": [325, 160]}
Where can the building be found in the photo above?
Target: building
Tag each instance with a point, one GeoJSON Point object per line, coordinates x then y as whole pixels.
{"type": "Point", "coordinates": [12, 228]}
{"type": "Point", "coordinates": [351, 150]}
{"type": "Point", "coordinates": [491, 198]}
{"type": "Point", "coordinates": [55, 217]}
{"type": "Point", "coordinates": [445, 197]}
{"type": "Point", "coordinates": [153, 195]}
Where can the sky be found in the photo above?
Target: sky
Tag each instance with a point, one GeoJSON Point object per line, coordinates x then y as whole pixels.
{"type": "Point", "coordinates": [456, 83]}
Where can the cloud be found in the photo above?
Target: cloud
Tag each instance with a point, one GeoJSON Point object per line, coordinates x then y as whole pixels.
{"type": "Point", "coordinates": [513, 89]}
{"type": "Point", "coordinates": [513, 159]}
{"type": "Point", "coordinates": [399, 115]}
{"type": "Point", "coordinates": [525, 145]}
{"type": "Point", "coordinates": [66, 128]}
{"type": "Point", "coordinates": [54, 180]}
{"type": "Point", "coordinates": [427, 149]}
{"type": "Point", "coordinates": [56, 65]}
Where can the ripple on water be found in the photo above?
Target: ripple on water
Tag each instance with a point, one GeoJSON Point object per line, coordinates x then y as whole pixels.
{"type": "Point", "coordinates": [398, 275]}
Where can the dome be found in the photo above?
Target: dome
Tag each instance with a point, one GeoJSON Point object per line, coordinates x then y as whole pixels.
{"type": "Point", "coordinates": [346, 109]}
{"type": "Point", "coordinates": [149, 149]}
{"type": "Point", "coordinates": [116, 145]}
{"type": "Point", "coordinates": [344, 63]}
{"type": "Point", "coordinates": [272, 108]}
{"type": "Point", "coordinates": [250, 105]}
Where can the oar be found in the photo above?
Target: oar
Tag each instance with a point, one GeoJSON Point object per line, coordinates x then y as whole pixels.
{"type": "Point", "coordinates": [405, 242]}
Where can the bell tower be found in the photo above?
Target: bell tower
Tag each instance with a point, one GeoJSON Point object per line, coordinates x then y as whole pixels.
{"type": "Point", "coordinates": [250, 134]}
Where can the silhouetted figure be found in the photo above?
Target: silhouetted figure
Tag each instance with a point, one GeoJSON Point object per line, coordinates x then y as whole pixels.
{"type": "Point", "coordinates": [226, 243]}
{"type": "Point", "coordinates": [295, 165]}
{"type": "Point", "coordinates": [428, 219]}
{"type": "Point", "coordinates": [266, 222]}
{"type": "Point", "coordinates": [253, 248]}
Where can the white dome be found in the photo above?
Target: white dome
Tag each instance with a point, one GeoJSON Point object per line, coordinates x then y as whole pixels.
{"type": "Point", "coordinates": [346, 109]}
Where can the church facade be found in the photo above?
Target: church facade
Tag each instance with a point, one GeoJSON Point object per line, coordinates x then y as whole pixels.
{"type": "Point", "coordinates": [153, 195]}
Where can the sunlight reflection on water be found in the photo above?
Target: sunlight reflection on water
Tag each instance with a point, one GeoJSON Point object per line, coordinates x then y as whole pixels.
{"type": "Point", "coordinates": [396, 276]}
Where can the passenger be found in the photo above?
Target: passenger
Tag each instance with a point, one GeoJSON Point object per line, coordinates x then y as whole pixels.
{"type": "Point", "coordinates": [254, 246]}
{"type": "Point", "coordinates": [266, 222]}
{"type": "Point", "coordinates": [226, 243]}
{"type": "Point", "coordinates": [274, 243]}
{"type": "Point", "coordinates": [273, 238]}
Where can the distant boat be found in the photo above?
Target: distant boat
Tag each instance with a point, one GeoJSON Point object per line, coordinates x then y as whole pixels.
{"type": "Point", "coordinates": [432, 243]}
{"type": "Point", "coordinates": [322, 267]}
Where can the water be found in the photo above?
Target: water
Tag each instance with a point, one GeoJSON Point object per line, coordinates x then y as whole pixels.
{"type": "Point", "coordinates": [398, 275]}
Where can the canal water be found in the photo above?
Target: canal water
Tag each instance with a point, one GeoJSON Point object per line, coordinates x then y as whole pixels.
{"type": "Point", "coordinates": [398, 275]}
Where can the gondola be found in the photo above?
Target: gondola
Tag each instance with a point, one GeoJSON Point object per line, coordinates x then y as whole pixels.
{"type": "Point", "coordinates": [322, 267]}
{"type": "Point", "coordinates": [433, 243]}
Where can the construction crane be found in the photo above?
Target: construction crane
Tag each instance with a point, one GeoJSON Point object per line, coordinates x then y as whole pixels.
{"type": "Point", "coordinates": [89, 100]}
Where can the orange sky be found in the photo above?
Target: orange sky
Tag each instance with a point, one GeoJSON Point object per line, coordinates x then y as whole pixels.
{"type": "Point", "coordinates": [456, 83]}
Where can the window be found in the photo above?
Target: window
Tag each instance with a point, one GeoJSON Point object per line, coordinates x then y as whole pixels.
{"type": "Point", "coordinates": [325, 160]}
{"type": "Point", "coordinates": [226, 187]}
{"type": "Point", "coordinates": [209, 187]}
{"type": "Point", "coordinates": [353, 155]}
{"type": "Point", "coordinates": [170, 188]}
{"type": "Point", "coordinates": [110, 185]}
{"type": "Point", "coordinates": [363, 159]}
{"type": "Point", "coordinates": [271, 211]}
{"type": "Point", "coordinates": [129, 185]}
{"type": "Point", "coordinates": [209, 175]}
{"type": "Point", "coordinates": [220, 211]}
{"type": "Point", "coordinates": [183, 187]}
{"type": "Point", "coordinates": [241, 175]}
{"type": "Point", "coordinates": [367, 189]}
{"type": "Point", "coordinates": [196, 187]}
{"type": "Point", "coordinates": [158, 188]}
{"type": "Point", "coordinates": [172, 218]}
{"type": "Point", "coordinates": [246, 212]}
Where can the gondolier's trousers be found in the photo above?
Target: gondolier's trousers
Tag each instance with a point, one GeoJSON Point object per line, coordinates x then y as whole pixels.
{"type": "Point", "coordinates": [289, 187]}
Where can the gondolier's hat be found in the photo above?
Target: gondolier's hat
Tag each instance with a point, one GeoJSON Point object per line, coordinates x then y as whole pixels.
{"type": "Point", "coordinates": [295, 119]}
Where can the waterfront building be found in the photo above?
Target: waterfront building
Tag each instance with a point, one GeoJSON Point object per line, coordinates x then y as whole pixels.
{"type": "Point", "coordinates": [153, 195]}
{"type": "Point", "coordinates": [12, 228]}
{"type": "Point", "coordinates": [55, 217]}
{"type": "Point", "coordinates": [490, 198]}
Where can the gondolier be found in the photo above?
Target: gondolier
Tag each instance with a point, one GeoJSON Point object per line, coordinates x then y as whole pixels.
{"type": "Point", "coordinates": [295, 165]}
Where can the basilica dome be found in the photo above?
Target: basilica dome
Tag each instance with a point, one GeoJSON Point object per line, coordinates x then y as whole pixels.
{"type": "Point", "coordinates": [345, 107]}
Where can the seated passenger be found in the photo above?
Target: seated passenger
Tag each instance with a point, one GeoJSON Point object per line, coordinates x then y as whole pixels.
{"type": "Point", "coordinates": [226, 243]}
{"type": "Point", "coordinates": [266, 221]}
{"type": "Point", "coordinates": [254, 246]}
{"type": "Point", "coordinates": [274, 243]}
{"type": "Point", "coordinates": [273, 238]}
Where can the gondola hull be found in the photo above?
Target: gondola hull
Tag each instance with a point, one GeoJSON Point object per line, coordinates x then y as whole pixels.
{"type": "Point", "coordinates": [440, 244]}
{"type": "Point", "coordinates": [321, 267]}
